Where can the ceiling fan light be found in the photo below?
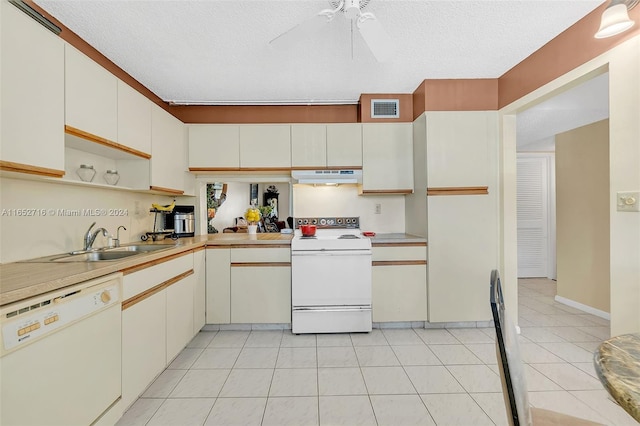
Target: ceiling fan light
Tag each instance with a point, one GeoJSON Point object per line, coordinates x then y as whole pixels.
{"type": "Point", "coordinates": [615, 20]}
{"type": "Point", "coordinates": [352, 8]}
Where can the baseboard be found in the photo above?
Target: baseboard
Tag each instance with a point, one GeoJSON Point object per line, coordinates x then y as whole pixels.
{"type": "Point", "coordinates": [585, 308]}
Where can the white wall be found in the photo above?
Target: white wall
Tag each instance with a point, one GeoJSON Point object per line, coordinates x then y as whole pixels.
{"type": "Point", "coordinates": [24, 237]}
{"type": "Point", "coordinates": [343, 200]}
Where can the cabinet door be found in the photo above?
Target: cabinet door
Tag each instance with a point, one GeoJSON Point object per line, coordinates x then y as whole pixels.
{"type": "Point", "coordinates": [461, 148]}
{"type": "Point", "coordinates": [308, 145]}
{"type": "Point", "coordinates": [387, 158]}
{"type": "Point", "coordinates": [266, 146]}
{"type": "Point", "coordinates": [199, 290]}
{"type": "Point", "coordinates": [261, 294]}
{"type": "Point", "coordinates": [214, 146]}
{"type": "Point", "coordinates": [32, 95]}
{"type": "Point", "coordinates": [143, 345]}
{"type": "Point", "coordinates": [344, 145]}
{"type": "Point", "coordinates": [91, 96]}
{"type": "Point", "coordinates": [399, 293]}
{"type": "Point", "coordinates": [179, 315]}
{"type": "Point", "coordinates": [463, 247]}
{"type": "Point", "coordinates": [134, 119]}
{"type": "Point", "coordinates": [167, 147]}
{"type": "Point", "coordinates": [218, 273]}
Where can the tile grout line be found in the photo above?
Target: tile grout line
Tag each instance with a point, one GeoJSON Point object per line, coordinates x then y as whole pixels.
{"type": "Point", "coordinates": [364, 381]}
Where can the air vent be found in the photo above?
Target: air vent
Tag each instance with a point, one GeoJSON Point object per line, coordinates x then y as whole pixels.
{"type": "Point", "coordinates": [385, 108]}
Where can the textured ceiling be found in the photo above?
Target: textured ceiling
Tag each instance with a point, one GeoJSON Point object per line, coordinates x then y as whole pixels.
{"type": "Point", "coordinates": [218, 51]}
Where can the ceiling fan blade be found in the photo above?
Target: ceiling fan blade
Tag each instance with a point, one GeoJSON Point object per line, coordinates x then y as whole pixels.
{"type": "Point", "coordinates": [376, 37]}
{"type": "Point", "coordinates": [303, 30]}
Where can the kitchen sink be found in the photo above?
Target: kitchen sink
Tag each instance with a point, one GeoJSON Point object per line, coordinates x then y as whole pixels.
{"type": "Point", "coordinates": [105, 254]}
{"type": "Point", "coordinates": [141, 248]}
{"type": "Point", "coordinates": [94, 256]}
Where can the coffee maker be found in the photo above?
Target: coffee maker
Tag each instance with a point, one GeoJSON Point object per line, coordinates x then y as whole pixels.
{"type": "Point", "coordinates": [181, 220]}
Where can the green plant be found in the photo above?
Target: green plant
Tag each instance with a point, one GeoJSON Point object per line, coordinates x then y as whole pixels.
{"type": "Point", "coordinates": [265, 211]}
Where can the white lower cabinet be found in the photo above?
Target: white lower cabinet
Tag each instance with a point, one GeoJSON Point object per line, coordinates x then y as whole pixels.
{"type": "Point", "coordinates": [399, 283]}
{"type": "Point", "coordinates": [199, 290]}
{"type": "Point", "coordinates": [143, 345]}
{"type": "Point", "coordinates": [248, 285]}
{"type": "Point", "coordinates": [179, 316]}
{"type": "Point", "coordinates": [157, 321]}
{"type": "Point", "coordinates": [463, 251]}
{"type": "Point", "coordinates": [261, 294]}
{"type": "Point", "coordinates": [218, 285]}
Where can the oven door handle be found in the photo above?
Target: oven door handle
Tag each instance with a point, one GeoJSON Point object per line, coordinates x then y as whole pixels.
{"type": "Point", "coordinates": [346, 308]}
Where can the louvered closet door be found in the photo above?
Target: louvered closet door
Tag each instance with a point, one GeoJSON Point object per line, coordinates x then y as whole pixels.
{"type": "Point", "coordinates": [533, 211]}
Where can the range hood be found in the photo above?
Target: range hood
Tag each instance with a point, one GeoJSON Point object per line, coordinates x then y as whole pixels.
{"type": "Point", "coordinates": [327, 176]}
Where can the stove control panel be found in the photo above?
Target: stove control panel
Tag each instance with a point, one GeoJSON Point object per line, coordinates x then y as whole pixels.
{"type": "Point", "coordinates": [329, 222]}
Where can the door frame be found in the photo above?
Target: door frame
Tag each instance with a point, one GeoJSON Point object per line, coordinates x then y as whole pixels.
{"type": "Point", "coordinates": [623, 64]}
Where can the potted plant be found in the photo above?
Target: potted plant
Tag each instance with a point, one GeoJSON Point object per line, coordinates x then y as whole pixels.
{"type": "Point", "coordinates": [252, 215]}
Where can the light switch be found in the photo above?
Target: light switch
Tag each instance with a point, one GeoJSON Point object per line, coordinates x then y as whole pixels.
{"type": "Point", "coordinates": [628, 201]}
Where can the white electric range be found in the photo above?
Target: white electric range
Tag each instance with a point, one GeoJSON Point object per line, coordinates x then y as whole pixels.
{"type": "Point", "coordinates": [331, 277]}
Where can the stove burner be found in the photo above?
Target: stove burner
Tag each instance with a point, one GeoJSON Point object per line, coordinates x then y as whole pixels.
{"type": "Point", "coordinates": [311, 237]}
{"type": "Point", "coordinates": [348, 237]}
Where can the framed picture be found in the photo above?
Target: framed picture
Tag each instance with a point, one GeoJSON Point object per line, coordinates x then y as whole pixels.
{"type": "Point", "coordinates": [253, 194]}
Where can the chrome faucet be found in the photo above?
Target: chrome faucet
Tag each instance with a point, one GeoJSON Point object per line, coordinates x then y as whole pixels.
{"type": "Point", "coordinates": [116, 241]}
{"type": "Point", "coordinates": [90, 237]}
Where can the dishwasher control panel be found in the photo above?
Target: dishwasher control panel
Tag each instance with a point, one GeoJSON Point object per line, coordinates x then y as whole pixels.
{"type": "Point", "coordinates": [29, 320]}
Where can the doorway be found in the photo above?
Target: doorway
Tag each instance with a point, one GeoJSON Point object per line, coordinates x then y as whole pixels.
{"type": "Point", "coordinates": [536, 131]}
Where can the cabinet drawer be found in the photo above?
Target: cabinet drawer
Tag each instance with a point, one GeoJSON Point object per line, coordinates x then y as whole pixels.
{"type": "Point", "coordinates": [250, 255]}
{"type": "Point", "coordinates": [399, 253]}
{"type": "Point", "coordinates": [140, 281]}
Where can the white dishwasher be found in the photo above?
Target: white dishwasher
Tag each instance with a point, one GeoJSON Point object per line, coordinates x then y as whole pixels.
{"type": "Point", "coordinates": [60, 359]}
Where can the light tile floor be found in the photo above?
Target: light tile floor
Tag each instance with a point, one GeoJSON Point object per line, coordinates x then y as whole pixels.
{"type": "Point", "coordinates": [387, 377]}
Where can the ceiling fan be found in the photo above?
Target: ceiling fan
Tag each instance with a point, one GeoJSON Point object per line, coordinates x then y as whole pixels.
{"type": "Point", "coordinates": [368, 25]}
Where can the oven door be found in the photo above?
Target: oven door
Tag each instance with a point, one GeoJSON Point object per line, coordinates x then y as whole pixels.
{"type": "Point", "coordinates": [325, 278]}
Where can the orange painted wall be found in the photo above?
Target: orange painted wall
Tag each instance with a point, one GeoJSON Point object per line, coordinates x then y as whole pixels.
{"type": "Point", "coordinates": [570, 49]}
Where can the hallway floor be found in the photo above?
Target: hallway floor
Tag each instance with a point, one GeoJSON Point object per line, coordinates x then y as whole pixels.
{"type": "Point", "coordinates": [387, 377]}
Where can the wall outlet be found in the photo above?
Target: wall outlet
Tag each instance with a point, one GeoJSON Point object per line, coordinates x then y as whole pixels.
{"type": "Point", "coordinates": [628, 201]}
{"type": "Point", "coordinates": [378, 208]}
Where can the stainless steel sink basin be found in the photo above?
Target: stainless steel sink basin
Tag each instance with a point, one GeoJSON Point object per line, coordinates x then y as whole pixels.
{"type": "Point", "coordinates": [94, 256]}
{"type": "Point", "coordinates": [142, 248]}
{"type": "Point", "coordinates": [106, 254]}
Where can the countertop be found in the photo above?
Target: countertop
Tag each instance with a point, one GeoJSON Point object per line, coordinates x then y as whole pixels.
{"type": "Point", "coordinates": [617, 363]}
{"type": "Point", "coordinates": [397, 238]}
{"type": "Point", "coordinates": [33, 277]}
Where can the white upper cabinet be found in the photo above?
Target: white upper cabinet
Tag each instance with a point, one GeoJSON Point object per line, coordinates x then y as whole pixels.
{"type": "Point", "coordinates": [308, 145]}
{"type": "Point", "coordinates": [91, 96]}
{"type": "Point", "coordinates": [326, 145]}
{"type": "Point", "coordinates": [214, 146]}
{"type": "Point", "coordinates": [32, 96]}
{"type": "Point", "coordinates": [134, 119]}
{"type": "Point", "coordinates": [344, 145]}
{"type": "Point", "coordinates": [387, 158]}
{"type": "Point", "coordinates": [167, 148]}
{"type": "Point", "coordinates": [265, 146]}
{"type": "Point", "coordinates": [460, 148]}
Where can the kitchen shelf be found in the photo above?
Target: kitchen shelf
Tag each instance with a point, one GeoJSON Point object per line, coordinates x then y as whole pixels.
{"type": "Point", "coordinates": [92, 184]}
{"type": "Point", "coordinates": [104, 155]}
